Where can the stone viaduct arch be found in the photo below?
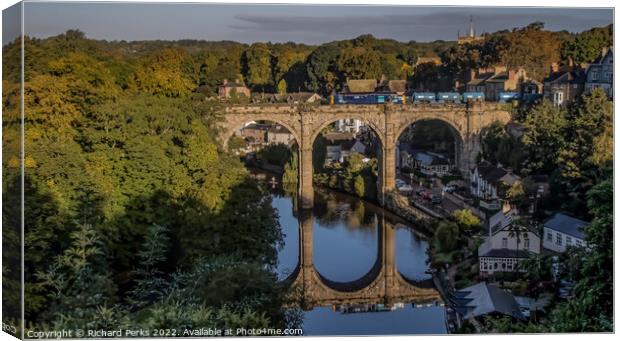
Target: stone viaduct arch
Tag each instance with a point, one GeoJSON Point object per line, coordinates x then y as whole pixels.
{"type": "Point", "coordinates": [387, 121]}
{"type": "Point", "coordinates": [382, 284]}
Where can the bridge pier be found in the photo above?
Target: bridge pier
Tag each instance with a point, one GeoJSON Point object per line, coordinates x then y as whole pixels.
{"type": "Point", "coordinates": [306, 254]}
{"type": "Point", "coordinates": [306, 190]}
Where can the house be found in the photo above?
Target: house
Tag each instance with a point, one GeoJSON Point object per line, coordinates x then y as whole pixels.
{"type": "Point", "coordinates": [303, 97]}
{"type": "Point", "coordinates": [563, 84]}
{"type": "Point", "coordinates": [355, 86]}
{"type": "Point", "coordinates": [349, 125]}
{"type": "Point", "coordinates": [562, 231]}
{"type": "Point", "coordinates": [277, 134]}
{"type": "Point", "coordinates": [341, 145]}
{"type": "Point", "coordinates": [507, 81]}
{"type": "Point", "coordinates": [254, 134]}
{"type": "Point", "coordinates": [531, 86]}
{"type": "Point", "coordinates": [228, 89]}
{"type": "Point", "coordinates": [477, 77]}
{"type": "Point", "coordinates": [267, 98]}
{"type": "Point", "coordinates": [428, 60]}
{"type": "Point", "coordinates": [398, 87]}
{"type": "Point", "coordinates": [429, 163]}
{"type": "Point", "coordinates": [507, 244]}
{"type": "Point", "coordinates": [487, 180]}
{"type": "Point", "coordinates": [600, 73]}
{"type": "Point", "coordinates": [484, 299]}
{"type": "Point", "coordinates": [493, 80]}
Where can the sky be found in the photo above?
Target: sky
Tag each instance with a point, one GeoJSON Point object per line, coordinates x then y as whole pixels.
{"type": "Point", "coordinates": [281, 23]}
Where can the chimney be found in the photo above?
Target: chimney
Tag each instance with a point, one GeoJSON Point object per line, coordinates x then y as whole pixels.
{"type": "Point", "coordinates": [554, 67]}
{"type": "Point", "coordinates": [570, 62]}
{"type": "Point", "coordinates": [512, 74]}
{"type": "Point", "coordinates": [472, 74]}
{"type": "Point", "coordinates": [604, 51]}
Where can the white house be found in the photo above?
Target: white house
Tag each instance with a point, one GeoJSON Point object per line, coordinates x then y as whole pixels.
{"type": "Point", "coordinates": [485, 182]}
{"type": "Point", "coordinates": [278, 134]}
{"type": "Point", "coordinates": [600, 73]}
{"type": "Point", "coordinates": [562, 231]}
{"type": "Point", "coordinates": [431, 163]}
{"type": "Point", "coordinates": [349, 125]}
{"type": "Point", "coordinates": [506, 246]}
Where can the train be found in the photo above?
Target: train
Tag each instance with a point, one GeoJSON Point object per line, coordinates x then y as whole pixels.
{"type": "Point", "coordinates": [427, 97]}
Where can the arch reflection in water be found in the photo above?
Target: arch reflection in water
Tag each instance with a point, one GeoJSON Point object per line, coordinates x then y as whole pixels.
{"type": "Point", "coordinates": [382, 285]}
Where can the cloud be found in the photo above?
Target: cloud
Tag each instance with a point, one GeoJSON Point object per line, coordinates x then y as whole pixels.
{"type": "Point", "coordinates": [423, 27]}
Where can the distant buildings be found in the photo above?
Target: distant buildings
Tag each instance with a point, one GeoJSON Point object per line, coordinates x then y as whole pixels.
{"type": "Point", "coordinates": [493, 80]}
{"type": "Point", "coordinates": [600, 73]}
{"type": "Point", "coordinates": [561, 231]}
{"type": "Point", "coordinates": [564, 84]}
{"type": "Point", "coordinates": [429, 163]}
{"type": "Point", "coordinates": [229, 89]}
{"type": "Point", "coordinates": [471, 35]}
{"type": "Point", "coordinates": [340, 146]}
{"type": "Point", "coordinates": [349, 125]}
{"type": "Point", "coordinates": [277, 134]}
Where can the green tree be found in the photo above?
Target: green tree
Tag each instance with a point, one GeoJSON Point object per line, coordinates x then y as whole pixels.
{"type": "Point", "coordinates": [447, 236]}
{"type": "Point", "coordinates": [586, 46]}
{"type": "Point", "coordinates": [258, 64]}
{"type": "Point", "coordinates": [544, 138]}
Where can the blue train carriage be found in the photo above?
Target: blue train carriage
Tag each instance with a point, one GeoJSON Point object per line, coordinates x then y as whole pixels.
{"type": "Point", "coordinates": [369, 98]}
{"type": "Point", "coordinates": [423, 97]}
{"type": "Point", "coordinates": [509, 97]}
{"type": "Point", "coordinates": [448, 97]}
{"type": "Point", "coordinates": [473, 96]}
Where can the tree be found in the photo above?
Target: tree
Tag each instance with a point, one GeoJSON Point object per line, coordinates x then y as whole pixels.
{"type": "Point", "coordinates": [282, 86]}
{"type": "Point", "coordinates": [544, 138]}
{"type": "Point", "coordinates": [162, 73]}
{"type": "Point", "coordinates": [447, 236]}
{"type": "Point", "coordinates": [589, 309]}
{"type": "Point", "coordinates": [586, 46]}
{"type": "Point", "coordinates": [466, 220]}
{"type": "Point", "coordinates": [358, 185]}
{"type": "Point", "coordinates": [583, 154]}
{"type": "Point", "coordinates": [258, 65]}
{"type": "Point", "coordinates": [359, 63]}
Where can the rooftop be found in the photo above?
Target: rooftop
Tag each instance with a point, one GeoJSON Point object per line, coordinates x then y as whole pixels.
{"type": "Point", "coordinates": [482, 299]}
{"type": "Point", "coordinates": [566, 224]}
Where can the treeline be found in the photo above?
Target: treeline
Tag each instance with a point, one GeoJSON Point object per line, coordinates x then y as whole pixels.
{"type": "Point", "coordinates": [134, 216]}
{"type": "Point", "coordinates": [532, 48]}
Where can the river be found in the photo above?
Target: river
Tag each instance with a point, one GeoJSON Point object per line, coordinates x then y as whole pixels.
{"type": "Point", "coordinates": [364, 271]}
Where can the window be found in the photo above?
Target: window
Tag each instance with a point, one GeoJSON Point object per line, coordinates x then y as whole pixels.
{"type": "Point", "coordinates": [558, 238]}
{"type": "Point", "coordinates": [569, 241]}
{"type": "Point", "coordinates": [578, 242]}
{"type": "Point", "coordinates": [504, 243]}
{"type": "Point", "coordinates": [549, 237]}
{"type": "Point", "coordinates": [526, 243]}
{"type": "Point", "coordinates": [607, 76]}
{"type": "Point", "coordinates": [594, 75]}
{"type": "Point", "coordinates": [558, 98]}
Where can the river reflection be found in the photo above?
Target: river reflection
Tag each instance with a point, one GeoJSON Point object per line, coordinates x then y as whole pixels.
{"type": "Point", "coordinates": [360, 270]}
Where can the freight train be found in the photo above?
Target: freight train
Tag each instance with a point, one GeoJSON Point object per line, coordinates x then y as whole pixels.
{"type": "Point", "coordinates": [427, 97]}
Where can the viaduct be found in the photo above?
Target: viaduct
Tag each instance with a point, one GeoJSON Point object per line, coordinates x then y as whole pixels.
{"type": "Point", "coordinates": [388, 121]}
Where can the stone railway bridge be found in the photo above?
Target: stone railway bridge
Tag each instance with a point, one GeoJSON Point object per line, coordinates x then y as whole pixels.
{"type": "Point", "coordinates": [388, 121]}
{"type": "Point", "coordinates": [382, 284]}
